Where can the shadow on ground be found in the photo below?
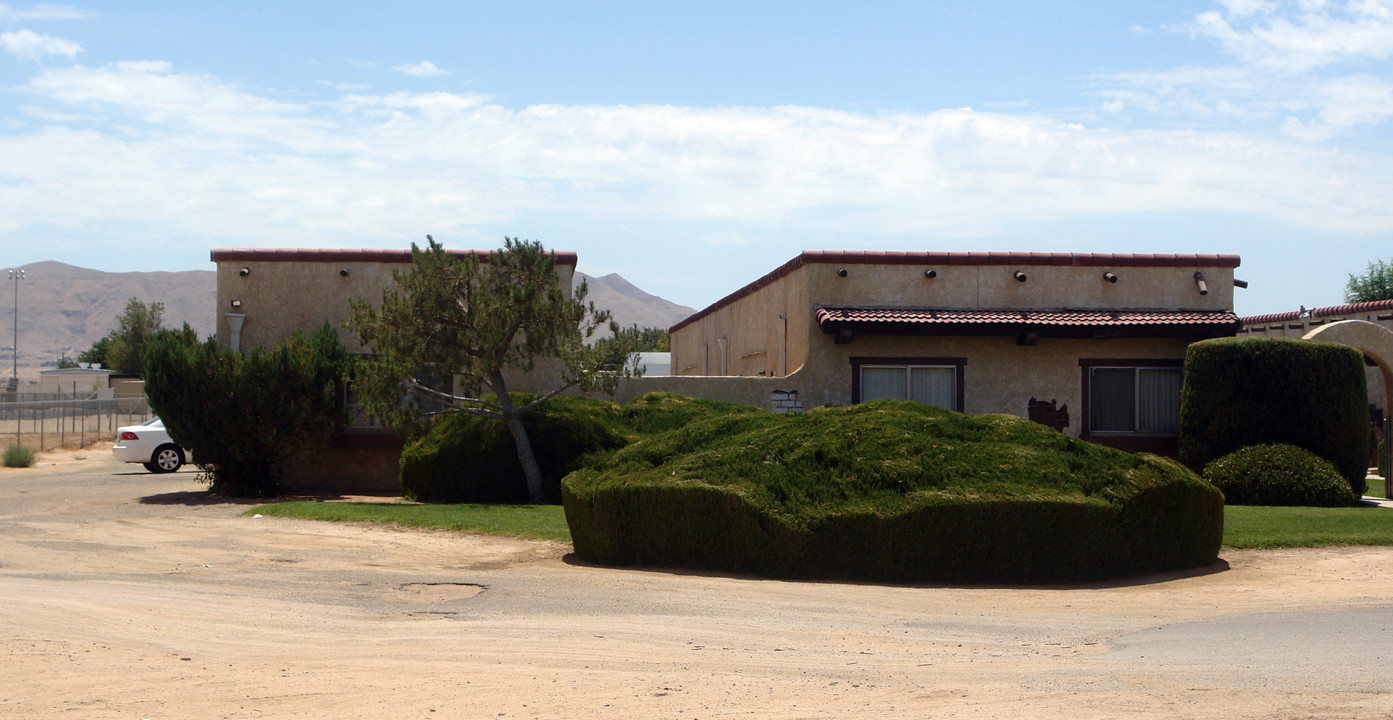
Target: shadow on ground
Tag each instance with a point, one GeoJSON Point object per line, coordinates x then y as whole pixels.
{"type": "Point", "coordinates": [1215, 567]}
{"type": "Point", "coordinates": [198, 497]}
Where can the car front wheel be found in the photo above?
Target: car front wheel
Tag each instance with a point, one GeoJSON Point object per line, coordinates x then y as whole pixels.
{"type": "Point", "coordinates": [167, 458]}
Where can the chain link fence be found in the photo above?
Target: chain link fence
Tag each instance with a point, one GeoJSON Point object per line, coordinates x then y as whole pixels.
{"type": "Point", "coordinates": [44, 421]}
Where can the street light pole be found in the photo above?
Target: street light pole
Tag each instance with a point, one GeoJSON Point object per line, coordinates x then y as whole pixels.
{"type": "Point", "coordinates": [16, 276]}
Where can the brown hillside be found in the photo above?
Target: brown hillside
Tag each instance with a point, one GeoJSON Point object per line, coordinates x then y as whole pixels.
{"type": "Point", "coordinates": [63, 309]}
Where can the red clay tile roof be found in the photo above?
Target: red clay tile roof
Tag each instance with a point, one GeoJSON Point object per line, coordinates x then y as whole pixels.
{"type": "Point", "coordinates": [1329, 310]}
{"type": "Point", "coordinates": [1023, 259]}
{"type": "Point", "coordinates": [1052, 318]}
{"type": "Point", "coordinates": [345, 255]}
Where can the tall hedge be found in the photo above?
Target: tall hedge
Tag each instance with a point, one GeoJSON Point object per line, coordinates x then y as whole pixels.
{"type": "Point", "coordinates": [1253, 391]}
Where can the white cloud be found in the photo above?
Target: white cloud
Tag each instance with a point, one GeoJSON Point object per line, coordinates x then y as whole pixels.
{"type": "Point", "coordinates": [198, 157]}
{"type": "Point", "coordinates": [1301, 37]}
{"type": "Point", "coordinates": [1288, 69]}
{"type": "Point", "coordinates": [425, 68]}
{"type": "Point", "coordinates": [29, 45]}
{"type": "Point", "coordinates": [42, 11]}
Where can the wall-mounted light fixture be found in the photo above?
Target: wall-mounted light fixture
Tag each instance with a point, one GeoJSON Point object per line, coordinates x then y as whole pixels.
{"type": "Point", "coordinates": [1199, 282]}
{"type": "Point", "coordinates": [244, 271]}
{"type": "Point", "coordinates": [1110, 277]}
{"type": "Point", "coordinates": [930, 274]}
{"type": "Point", "coordinates": [343, 272]}
{"type": "Point", "coordinates": [841, 272]}
{"type": "Point", "coordinates": [1019, 276]}
{"type": "Point", "coordinates": [236, 304]}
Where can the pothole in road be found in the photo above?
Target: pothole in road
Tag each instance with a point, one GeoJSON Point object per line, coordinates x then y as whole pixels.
{"type": "Point", "coordinates": [437, 592]}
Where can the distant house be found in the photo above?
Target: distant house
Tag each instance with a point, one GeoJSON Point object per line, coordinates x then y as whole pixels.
{"type": "Point", "coordinates": [78, 382]}
{"type": "Point", "coordinates": [1089, 343]}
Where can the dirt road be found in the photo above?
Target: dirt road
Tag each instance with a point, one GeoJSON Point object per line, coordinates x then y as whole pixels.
{"type": "Point", "coordinates": [129, 595]}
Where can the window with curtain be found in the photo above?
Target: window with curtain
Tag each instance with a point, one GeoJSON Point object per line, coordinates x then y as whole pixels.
{"type": "Point", "coordinates": [1134, 399]}
{"type": "Point", "coordinates": [931, 385]}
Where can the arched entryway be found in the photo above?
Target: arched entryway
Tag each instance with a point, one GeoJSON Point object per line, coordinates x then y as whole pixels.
{"type": "Point", "coordinates": [1376, 342]}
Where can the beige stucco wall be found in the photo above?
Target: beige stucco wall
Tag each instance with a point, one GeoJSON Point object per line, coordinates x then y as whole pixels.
{"type": "Point", "coordinates": [279, 297]}
{"type": "Point", "coordinates": [995, 287]}
{"type": "Point", "coordinates": [1000, 376]}
{"type": "Point", "coordinates": [765, 332]}
{"type": "Point", "coordinates": [750, 328]}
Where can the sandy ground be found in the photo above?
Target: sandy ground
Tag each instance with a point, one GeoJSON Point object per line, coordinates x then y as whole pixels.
{"type": "Point", "coordinates": [130, 595]}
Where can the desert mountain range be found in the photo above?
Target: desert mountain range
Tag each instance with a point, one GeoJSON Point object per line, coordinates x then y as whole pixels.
{"type": "Point", "coordinates": [63, 309]}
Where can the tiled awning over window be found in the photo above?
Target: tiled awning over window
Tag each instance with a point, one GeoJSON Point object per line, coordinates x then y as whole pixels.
{"type": "Point", "coordinates": [1058, 323]}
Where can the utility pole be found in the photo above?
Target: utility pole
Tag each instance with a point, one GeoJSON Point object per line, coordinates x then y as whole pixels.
{"type": "Point", "coordinates": [16, 276]}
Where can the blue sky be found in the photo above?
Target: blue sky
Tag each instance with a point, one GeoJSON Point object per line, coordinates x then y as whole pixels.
{"type": "Point", "coordinates": [692, 147]}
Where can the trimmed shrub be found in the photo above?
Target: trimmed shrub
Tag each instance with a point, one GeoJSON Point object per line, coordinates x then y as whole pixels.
{"type": "Point", "coordinates": [18, 456]}
{"type": "Point", "coordinates": [1253, 391]}
{"type": "Point", "coordinates": [1278, 475]}
{"type": "Point", "coordinates": [469, 459]}
{"type": "Point", "coordinates": [890, 491]}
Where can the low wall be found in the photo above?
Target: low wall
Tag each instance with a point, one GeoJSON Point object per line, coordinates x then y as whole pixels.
{"type": "Point", "coordinates": [779, 394]}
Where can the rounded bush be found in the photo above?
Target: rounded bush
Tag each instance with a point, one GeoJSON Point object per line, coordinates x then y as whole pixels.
{"type": "Point", "coordinates": [18, 456]}
{"type": "Point", "coordinates": [1278, 475]}
{"type": "Point", "coordinates": [890, 491]}
{"type": "Point", "coordinates": [469, 459]}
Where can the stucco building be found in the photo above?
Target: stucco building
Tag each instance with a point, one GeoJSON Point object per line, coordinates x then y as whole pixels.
{"type": "Point", "coordinates": [1089, 343]}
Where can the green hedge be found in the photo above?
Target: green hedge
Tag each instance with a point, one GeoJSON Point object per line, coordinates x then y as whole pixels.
{"type": "Point", "coordinates": [1253, 391]}
{"type": "Point", "coordinates": [468, 459]}
{"type": "Point", "coordinates": [1278, 475]}
{"type": "Point", "coordinates": [890, 491]}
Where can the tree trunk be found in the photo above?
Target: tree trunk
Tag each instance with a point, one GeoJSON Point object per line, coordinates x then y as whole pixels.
{"type": "Point", "coordinates": [536, 494]}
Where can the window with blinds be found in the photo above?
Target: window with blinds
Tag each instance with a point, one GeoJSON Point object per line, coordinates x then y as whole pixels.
{"type": "Point", "coordinates": [928, 384]}
{"type": "Point", "coordinates": [1134, 399]}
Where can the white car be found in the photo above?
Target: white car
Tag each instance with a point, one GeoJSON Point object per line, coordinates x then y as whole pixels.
{"type": "Point", "coordinates": [148, 444]}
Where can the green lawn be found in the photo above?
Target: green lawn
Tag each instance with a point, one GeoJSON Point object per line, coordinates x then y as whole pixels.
{"type": "Point", "coordinates": [1244, 527]}
{"type": "Point", "coordinates": [543, 522]}
{"type": "Point", "coordinates": [1275, 527]}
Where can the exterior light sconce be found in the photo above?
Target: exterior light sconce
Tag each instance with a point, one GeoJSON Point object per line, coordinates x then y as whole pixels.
{"type": "Point", "coordinates": [1019, 276]}
{"type": "Point", "coordinates": [1110, 277]}
{"type": "Point", "coordinates": [1199, 282]}
{"type": "Point", "coordinates": [1029, 338]}
{"type": "Point", "coordinates": [343, 272]}
{"type": "Point", "coordinates": [841, 272]}
{"type": "Point", "coordinates": [244, 271]}
{"type": "Point", "coordinates": [236, 304]}
{"type": "Point", "coordinates": [1240, 283]}
{"type": "Point", "coordinates": [930, 274]}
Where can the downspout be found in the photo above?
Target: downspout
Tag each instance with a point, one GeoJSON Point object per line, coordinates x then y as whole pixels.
{"type": "Point", "coordinates": [783, 348]}
{"type": "Point", "coordinates": [234, 327]}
